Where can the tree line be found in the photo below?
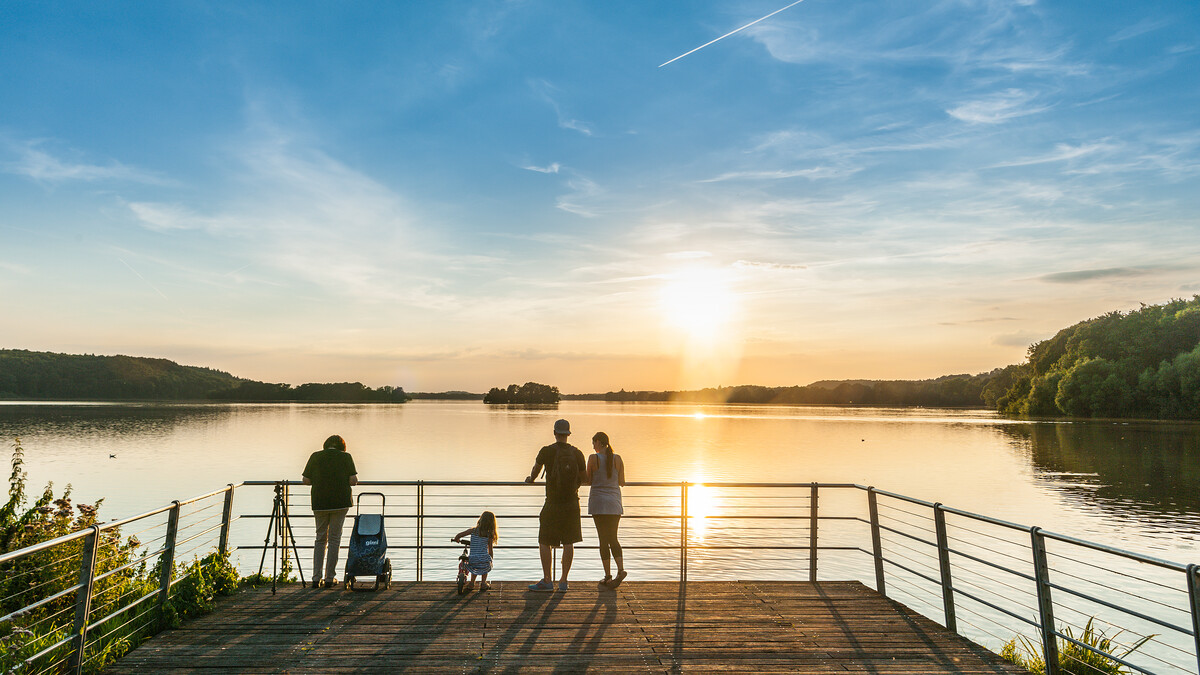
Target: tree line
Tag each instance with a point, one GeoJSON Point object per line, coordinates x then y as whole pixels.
{"type": "Point", "coordinates": [530, 393]}
{"type": "Point", "coordinates": [49, 376]}
{"type": "Point", "coordinates": [1144, 363]}
{"type": "Point", "coordinates": [947, 391]}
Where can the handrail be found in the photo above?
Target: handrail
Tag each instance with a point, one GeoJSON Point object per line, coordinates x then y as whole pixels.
{"type": "Point", "coordinates": [931, 553]}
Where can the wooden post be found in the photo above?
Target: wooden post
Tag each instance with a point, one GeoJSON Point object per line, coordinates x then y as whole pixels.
{"type": "Point", "coordinates": [226, 522]}
{"type": "Point", "coordinates": [939, 519]}
{"type": "Point", "coordinates": [876, 540]}
{"type": "Point", "coordinates": [167, 562]}
{"type": "Point", "coordinates": [812, 534]}
{"type": "Point", "coordinates": [1041, 571]}
{"type": "Point", "coordinates": [83, 598]}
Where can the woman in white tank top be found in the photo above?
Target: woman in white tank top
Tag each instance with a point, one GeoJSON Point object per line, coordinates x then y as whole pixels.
{"type": "Point", "coordinates": [606, 475]}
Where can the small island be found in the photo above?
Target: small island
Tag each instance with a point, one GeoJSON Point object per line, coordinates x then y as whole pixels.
{"type": "Point", "coordinates": [530, 393]}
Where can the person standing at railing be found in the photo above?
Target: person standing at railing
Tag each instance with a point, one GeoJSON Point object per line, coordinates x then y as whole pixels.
{"type": "Point", "coordinates": [559, 521]}
{"type": "Point", "coordinates": [331, 473]}
{"type": "Point", "coordinates": [606, 476]}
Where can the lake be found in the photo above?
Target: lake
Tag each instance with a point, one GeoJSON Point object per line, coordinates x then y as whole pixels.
{"type": "Point", "coordinates": [1129, 484]}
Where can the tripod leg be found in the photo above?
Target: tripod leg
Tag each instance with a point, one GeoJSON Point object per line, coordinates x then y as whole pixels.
{"type": "Point", "coordinates": [266, 542]}
{"type": "Point", "coordinates": [290, 536]}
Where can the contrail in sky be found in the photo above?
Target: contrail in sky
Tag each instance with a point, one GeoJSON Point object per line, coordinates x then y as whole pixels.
{"type": "Point", "coordinates": [731, 33]}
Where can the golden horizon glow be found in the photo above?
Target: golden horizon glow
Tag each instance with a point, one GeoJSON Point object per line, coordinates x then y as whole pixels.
{"type": "Point", "coordinates": [702, 317]}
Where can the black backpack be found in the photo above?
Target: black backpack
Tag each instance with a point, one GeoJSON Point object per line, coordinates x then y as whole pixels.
{"type": "Point", "coordinates": [563, 475]}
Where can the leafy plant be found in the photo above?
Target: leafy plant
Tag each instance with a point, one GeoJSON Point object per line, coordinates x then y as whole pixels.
{"type": "Point", "coordinates": [1072, 658]}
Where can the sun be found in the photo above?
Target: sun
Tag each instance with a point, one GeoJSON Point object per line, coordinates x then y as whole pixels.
{"type": "Point", "coordinates": [699, 303]}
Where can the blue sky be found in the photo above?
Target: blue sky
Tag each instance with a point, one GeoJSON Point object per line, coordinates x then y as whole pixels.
{"type": "Point", "coordinates": [463, 195]}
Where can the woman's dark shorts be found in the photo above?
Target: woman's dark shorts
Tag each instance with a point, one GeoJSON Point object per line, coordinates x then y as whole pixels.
{"type": "Point", "coordinates": [558, 523]}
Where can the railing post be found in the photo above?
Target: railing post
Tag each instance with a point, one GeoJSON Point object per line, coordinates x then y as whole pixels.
{"type": "Point", "coordinates": [226, 522]}
{"type": "Point", "coordinates": [420, 528]}
{"type": "Point", "coordinates": [812, 534]}
{"type": "Point", "coordinates": [876, 540]}
{"type": "Point", "coordinates": [1193, 586]}
{"type": "Point", "coordinates": [83, 598]}
{"type": "Point", "coordinates": [683, 531]}
{"type": "Point", "coordinates": [167, 562]}
{"type": "Point", "coordinates": [939, 519]}
{"type": "Point", "coordinates": [1041, 571]}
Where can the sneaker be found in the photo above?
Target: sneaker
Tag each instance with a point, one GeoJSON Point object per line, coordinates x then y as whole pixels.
{"type": "Point", "coordinates": [562, 585]}
{"type": "Point", "coordinates": [542, 586]}
{"type": "Point", "coordinates": [316, 585]}
{"type": "Point", "coordinates": [329, 583]}
{"type": "Point", "coordinates": [485, 586]}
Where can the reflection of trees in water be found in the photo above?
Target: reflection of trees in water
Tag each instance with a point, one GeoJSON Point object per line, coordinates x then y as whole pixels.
{"type": "Point", "coordinates": [1142, 468]}
{"type": "Point", "coordinates": [86, 420]}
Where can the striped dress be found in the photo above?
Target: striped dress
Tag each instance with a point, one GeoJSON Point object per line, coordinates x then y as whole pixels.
{"type": "Point", "coordinates": [479, 561]}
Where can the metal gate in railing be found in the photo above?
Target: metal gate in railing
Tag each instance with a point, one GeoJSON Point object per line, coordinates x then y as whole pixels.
{"type": "Point", "coordinates": [68, 601]}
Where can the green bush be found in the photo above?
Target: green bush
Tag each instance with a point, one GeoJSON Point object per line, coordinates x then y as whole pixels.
{"type": "Point", "coordinates": [1072, 658]}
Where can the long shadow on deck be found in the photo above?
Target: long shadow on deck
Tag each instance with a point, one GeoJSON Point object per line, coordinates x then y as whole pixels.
{"type": "Point", "coordinates": [642, 627]}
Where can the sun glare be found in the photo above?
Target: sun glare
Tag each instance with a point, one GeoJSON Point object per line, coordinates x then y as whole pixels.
{"type": "Point", "coordinates": [701, 503]}
{"type": "Point", "coordinates": [699, 303]}
{"type": "Point", "coordinates": [701, 320]}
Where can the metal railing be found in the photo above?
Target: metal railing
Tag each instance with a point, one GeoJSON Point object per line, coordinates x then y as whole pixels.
{"type": "Point", "coordinates": [985, 578]}
{"type": "Point", "coordinates": [100, 590]}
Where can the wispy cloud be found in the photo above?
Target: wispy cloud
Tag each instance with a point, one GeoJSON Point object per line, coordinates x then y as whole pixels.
{"type": "Point", "coordinates": [1078, 276]}
{"type": "Point", "coordinates": [1061, 153]}
{"type": "Point", "coordinates": [1147, 25]}
{"type": "Point", "coordinates": [814, 173]}
{"type": "Point", "coordinates": [580, 201]}
{"type": "Point", "coordinates": [552, 168]}
{"type": "Point", "coordinates": [750, 264]}
{"type": "Point", "coordinates": [997, 108]}
{"type": "Point", "coordinates": [33, 161]}
{"type": "Point", "coordinates": [548, 93]}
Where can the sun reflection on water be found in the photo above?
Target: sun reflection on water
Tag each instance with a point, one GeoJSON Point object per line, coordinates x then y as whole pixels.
{"type": "Point", "coordinates": [701, 504]}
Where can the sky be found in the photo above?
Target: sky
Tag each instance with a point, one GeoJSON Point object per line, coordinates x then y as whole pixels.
{"type": "Point", "coordinates": [461, 195]}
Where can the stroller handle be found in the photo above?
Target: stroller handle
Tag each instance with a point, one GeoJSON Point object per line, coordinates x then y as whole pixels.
{"type": "Point", "coordinates": [382, 501]}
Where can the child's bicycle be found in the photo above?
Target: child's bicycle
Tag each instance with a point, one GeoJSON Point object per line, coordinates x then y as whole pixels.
{"type": "Point", "coordinates": [462, 564]}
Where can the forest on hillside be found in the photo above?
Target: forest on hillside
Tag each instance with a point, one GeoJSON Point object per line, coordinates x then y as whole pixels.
{"type": "Point", "coordinates": [45, 375]}
{"type": "Point", "coordinates": [48, 376]}
{"type": "Point", "coordinates": [1144, 363]}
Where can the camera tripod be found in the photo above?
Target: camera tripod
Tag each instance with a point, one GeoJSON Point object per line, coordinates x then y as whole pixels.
{"type": "Point", "coordinates": [281, 527]}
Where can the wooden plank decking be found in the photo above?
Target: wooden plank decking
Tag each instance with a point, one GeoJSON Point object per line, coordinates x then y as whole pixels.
{"type": "Point", "coordinates": [742, 626]}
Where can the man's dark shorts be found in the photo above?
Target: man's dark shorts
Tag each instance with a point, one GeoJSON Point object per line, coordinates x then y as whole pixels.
{"type": "Point", "coordinates": [559, 523]}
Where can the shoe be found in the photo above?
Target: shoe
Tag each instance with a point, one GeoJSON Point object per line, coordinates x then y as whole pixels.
{"type": "Point", "coordinates": [562, 586]}
{"type": "Point", "coordinates": [542, 586]}
{"type": "Point", "coordinates": [329, 583]}
{"type": "Point", "coordinates": [469, 587]}
{"type": "Point", "coordinates": [606, 581]}
{"type": "Point", "coordinates": [316, 585]}
{"type": "Point", "coordinates": [619, 578]}
{"type": "Point", "coordinates": [485, 586]}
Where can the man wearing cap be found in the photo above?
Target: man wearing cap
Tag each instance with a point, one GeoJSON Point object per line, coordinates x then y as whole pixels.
{"type": "Point", "coordinates": [559, 521]}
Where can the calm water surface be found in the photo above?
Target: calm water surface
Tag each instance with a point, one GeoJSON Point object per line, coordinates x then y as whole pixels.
{"type": "Point", "coordinates": [1134, 485]}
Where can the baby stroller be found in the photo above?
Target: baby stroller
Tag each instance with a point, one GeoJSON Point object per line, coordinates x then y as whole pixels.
{"type": "Point", "coordinates": [368, 547]}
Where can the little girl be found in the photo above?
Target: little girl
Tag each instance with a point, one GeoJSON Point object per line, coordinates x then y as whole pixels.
{"type": "Point", "coordinates": [483, 536]}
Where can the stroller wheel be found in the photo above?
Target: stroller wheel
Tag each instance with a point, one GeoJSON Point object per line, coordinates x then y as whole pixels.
{"type": "Point", "coordinates": [462, 584]}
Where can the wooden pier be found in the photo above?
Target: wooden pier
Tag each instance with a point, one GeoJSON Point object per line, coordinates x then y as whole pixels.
{"type": "Point", "coordinates": [663, 627]}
